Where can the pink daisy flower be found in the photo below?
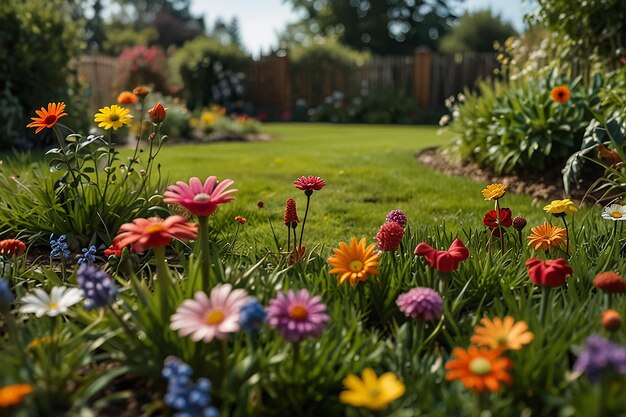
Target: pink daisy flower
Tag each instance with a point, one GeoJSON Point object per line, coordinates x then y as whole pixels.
{"type": "Point", "coordinates": [200, 199]}
{"type": "Point", "coordinates": [210, 317]}
{"type": "Point", "coordinates": [297, 315]}
{"type": "Point", "coordinates": [309, 183]}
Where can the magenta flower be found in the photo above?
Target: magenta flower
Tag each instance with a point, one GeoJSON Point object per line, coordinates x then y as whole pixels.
{"type": "Point", "coordinates": [397, 216]}
{"type": "Point", "coordinates": [200, 199]}
{"type": "Point", "coordinates": [421, 303]}
{"type": "Point", "coordinates": [297, 315]}
{"type": "Point", "coordinates": [389, 236]}
{"type": "Point", "coordinates": [309, 183]}
{"type": "Point", "coordinates": [210, 317]}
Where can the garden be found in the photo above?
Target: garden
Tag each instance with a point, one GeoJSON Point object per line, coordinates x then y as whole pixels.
{"type": "Point", "coordinates": [179, 251]}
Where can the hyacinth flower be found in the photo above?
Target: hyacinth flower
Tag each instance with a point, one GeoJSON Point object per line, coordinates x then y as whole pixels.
{"type": "Point", "coordinates": [308, 185]}
{"type": "Point", "coordinates": [495, 192]}
{"type": "Point", "coordinates": [189, 399]}
{"type": "Point", "coordinates": [88, 256]}
{"type": "Point", "coordinates": [156, 233]}
{"type": "Point", "coordinates": [201, 199]}
{"type": "Point", "coordinates": [561, 208]}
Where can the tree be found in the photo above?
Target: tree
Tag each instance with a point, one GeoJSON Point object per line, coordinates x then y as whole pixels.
{"type": "Point", "coordinates": [477, 32]}
{"type": "Point", "coordinates": [384, 27]}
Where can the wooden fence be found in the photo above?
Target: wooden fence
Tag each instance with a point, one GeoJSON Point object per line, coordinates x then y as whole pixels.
{"type": "Point", "coordinates": [273, 87]}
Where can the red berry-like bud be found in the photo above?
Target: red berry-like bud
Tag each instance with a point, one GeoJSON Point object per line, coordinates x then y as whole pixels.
{"type": "Point", "coordinates": [519, 223]}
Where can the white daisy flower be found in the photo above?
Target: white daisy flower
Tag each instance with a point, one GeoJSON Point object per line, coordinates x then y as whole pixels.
{"type": "Point", "coordinates": [614, 212]}
{"type": "Point", "coordinates": [57, 302]}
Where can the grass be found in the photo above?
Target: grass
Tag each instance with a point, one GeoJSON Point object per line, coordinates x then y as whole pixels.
{"type": "Point", "coordinates": [369, 171]}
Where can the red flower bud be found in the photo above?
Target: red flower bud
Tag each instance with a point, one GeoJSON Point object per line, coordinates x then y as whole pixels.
{"type": "Point", "coordinates": [549, 273]}
{"type": "Point", "coordinates": [610, 282]}
{"type": "Point", "coordinates": [611, 320]}
{"type": "Point", "coordinates": [157, 113]}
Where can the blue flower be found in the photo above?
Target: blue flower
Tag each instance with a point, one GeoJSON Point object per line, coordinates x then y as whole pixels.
{"type": "Point", "coordinates": [59, 247]}
{"type": "Point", "coordinates": [99, 288]}
{"type": "Point", "coordinates": [252, 316]}
{"type": "Point", "coordinates": [89, 255]}
{"type": "Point", "coordinates": [189, 399]}
{"type": "Point", "coordinates": [6, 296]}
{"type": "Point", "coordinates": [599, 355]}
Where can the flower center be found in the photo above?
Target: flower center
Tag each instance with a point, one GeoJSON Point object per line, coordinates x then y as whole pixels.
{"type": "Point", "coordinates": [215, 317]}
{"type": "Point", "coordinates": [50, 119]}
{"type": "Point", "coordinates": [298, 312]}
{"type": "Point", "coordinates": [53, 306]}
{"type": "Point", "coordinates": [114, 117]}
{"type": "Point", "coordinates": [501, 340]}
{"type": "Point", "coordinates": [155, 228]}
{"type": "Point", "coordinates": [202, 197]}
{"type": "Point", "coordinates": [373, 392]}
{"type": "Point", "coordinates": [617, 214]}
{"type": "Point", "coordinates": [480, 366]}
{"type": "Point", "coordinates": [356, 266]}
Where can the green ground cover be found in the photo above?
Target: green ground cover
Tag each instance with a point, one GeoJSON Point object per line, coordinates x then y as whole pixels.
{"type": "Point", "coordinates": [369, 171]}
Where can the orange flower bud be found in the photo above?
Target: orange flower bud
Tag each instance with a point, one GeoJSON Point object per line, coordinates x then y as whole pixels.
{"type": "Point", "coordinates": [141, 91]}
{"type": "Point", "coordinates": [157, 113]}
{"type": "Point", "coordinates": [611, 320]}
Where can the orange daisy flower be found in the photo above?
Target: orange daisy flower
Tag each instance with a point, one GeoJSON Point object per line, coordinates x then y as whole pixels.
{"type": "Point", "coordinates": [126, 97]}
{"type": "Point", "coordinates": [155, 232]}
{"type": "Point", "coordinates": [47, 118]}
{"type": "Point", "coordinates": [14, 394]}
{"type": "Point", "coordinates": [560, 94]}
{"type": "Point", "coordinates": [354, 262]}
{"type": "Point", "coordinates": [545, 236]}
{"type": "Point", "coordinates": [502, 334]}
{"type": "Point", "coordinates": [479, 368]}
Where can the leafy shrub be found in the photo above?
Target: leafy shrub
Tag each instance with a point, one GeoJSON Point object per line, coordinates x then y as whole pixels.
{"type": "Point", "coordinates": [118, 38]}
{"type": "Point", "coordinates": [38, 46]}
{"type": "Point", "coordinates": [210, 72]}
{"type": "Point", "coordinates": [517, 126]}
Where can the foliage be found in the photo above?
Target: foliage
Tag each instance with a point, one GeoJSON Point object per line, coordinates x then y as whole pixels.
{"type": "Point", "coordinates": [325, 54]}
{"type": "Point", "coordinates": [518, 127]}
{"type": "Point", "coordinates": [120, 38]}
{"type": "Point", "coordinates": [36, 34]}
{"type": "Point", "coordinates": [209, 72]}
{"type": "Point", "coordinates": [477, 32]}
{"type": "Point", "coordinates": [382, 27]}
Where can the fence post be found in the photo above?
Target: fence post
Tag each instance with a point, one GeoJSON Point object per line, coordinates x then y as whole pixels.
{"type": "Point", "coordinates": [422, 76]}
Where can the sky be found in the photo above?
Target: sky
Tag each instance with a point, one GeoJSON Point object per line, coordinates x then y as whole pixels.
{"type": "Point", "coordinates": [261, 20]}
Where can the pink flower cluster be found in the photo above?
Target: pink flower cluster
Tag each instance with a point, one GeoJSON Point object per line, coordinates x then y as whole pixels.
{"type": "Point", "coordinates": [141, 57]}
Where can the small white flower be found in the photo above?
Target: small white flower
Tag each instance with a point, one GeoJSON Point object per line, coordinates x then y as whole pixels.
{"type": "Point", "coordinates": [614, 212]}
{"type": "Point", "coordinates": [57, 302]}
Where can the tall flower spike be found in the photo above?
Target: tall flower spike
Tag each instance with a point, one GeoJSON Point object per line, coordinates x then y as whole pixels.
{"type": "Point", "coordinates": [291, 214]}
{"type": "Point", "coordinates": [390, 236]}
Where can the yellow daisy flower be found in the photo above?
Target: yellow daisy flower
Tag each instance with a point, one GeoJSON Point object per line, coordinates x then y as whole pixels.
{"type": "Point", "coordinates": [354, 262]}
{"type": "Point", "coordinates": [113, 117]}
{"type": "Point", "coordinates": [371, 392]}
{"type": "Point", "coordinates": [494, 191]}
{"type": "Point", "coordinates": [561, 207]}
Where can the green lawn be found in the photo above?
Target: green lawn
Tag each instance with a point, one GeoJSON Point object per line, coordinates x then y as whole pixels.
{"type": "Point", "coordinates": [369, 170]}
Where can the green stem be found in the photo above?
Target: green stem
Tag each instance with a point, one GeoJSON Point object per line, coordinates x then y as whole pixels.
{"type": "Point", "coordinates": [306, 212]}
{"type": "Point", "coordinates": [108, 169]}
{"type": "Point", "coordinates": [232, 244]}
{"type": "Point", "coordinates": [545, 300]}
{"type": "Point", "coordinates": [163, 280]}
{"type": "Point", "coordinates": [444, 281]}
{"type": "Point", "coordinates": [288, 237]}
{"type": "Point", "coordinates": [295, 358]}
{"type": "Point", "coordinates": [203, 236]}
{"type": "Point", "coordinates": [500, 226]}
{"type": "Point", "coordinates": [122, 322]}
{"type": "Point", "coordinates": [223, 364]}
{"type": "Point", "coordinates": [138, 141]}
{"type": "Point", "coordinates": [267, 214]}
{"type": "Point", "coordinates": [566, 236]}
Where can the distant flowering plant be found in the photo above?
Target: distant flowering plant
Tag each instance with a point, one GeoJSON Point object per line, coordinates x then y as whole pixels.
{"type": "Point", "coordinates": [215, 316]}
{"type": "Point", "coordinates": [126, 97]}
{"type": "Point", "coordinates": [424, 304]}
{"type": "Point", "coordinates": [59, 300]}
{"type": "Point", "coordinates": [370, 391]}
{"type": "Point", "coordinates": [443, 261]}
{"type": "Point", "coordinates": [297, 316]}
{"type": "Point", "coordinates": [201, 199]}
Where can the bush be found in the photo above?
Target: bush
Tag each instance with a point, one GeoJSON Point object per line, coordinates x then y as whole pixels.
{"type": "Point", "coordinates": [38, 46]}
{"type": "Point", "coordinates": [210, 72]}
{"type": "Point", "coordinates": [141, 65]}
{"type": "Point", "coordinates": [518, 127]}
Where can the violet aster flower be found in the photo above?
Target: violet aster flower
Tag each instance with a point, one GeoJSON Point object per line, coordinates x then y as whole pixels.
{"type": "Point", "coordinates": [390, 236]}
{"type": "Point", "coordinates": [421, 303]}
{"type": "Point", "coordinates": [599, 355]}
{"type": "Point", "coordinates": [397, 216]}
{"type": "Point", "coordinates": [207, 317]}
{"type": "Point", "coordinates": [200, 199]}
{"type": "Point", "coordinates": [296, 315]}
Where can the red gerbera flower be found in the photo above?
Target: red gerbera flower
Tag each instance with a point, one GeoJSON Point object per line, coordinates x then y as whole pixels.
{"type": "Point", "coordinates": [491, 218]}
{"type": "Point", "coordinates": [309, 183]}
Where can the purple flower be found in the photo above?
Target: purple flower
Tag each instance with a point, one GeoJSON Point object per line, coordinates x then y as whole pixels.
{"type": "Point", "coordinates": [397, 216]}
{"type": "Point", "coordinates": [600, 354]}
{"type": "Point", "coordinates": [190, 399]}
{"type": "Point", "coordinates": [297, 315]}
{"type": "Point", "coordinates": [6, 296]}
{"type": "Point", "coordinates": [421, 303]}
{"type": "Point", "coordinates": [99, 288]}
